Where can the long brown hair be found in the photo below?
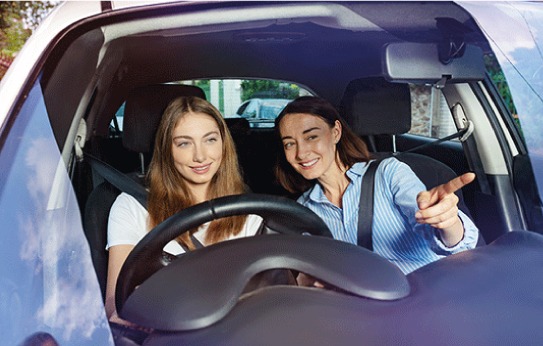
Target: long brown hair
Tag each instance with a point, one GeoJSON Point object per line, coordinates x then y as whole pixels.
{"type": "Point", "coordinates": [168, 192]}
{"type": "Point", "coordinates": [350, 148]}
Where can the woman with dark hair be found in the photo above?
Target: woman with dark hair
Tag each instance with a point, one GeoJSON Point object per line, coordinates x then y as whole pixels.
{"type": "Point", "coordinates": [194, 160]}
{"type": "Point", "coordinates": [323, 159]}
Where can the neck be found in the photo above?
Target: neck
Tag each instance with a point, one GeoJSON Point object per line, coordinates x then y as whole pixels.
{"type": "Point", "coordinates": [334, 184]}
{"type": "Point", "coordinates": [199, 193]}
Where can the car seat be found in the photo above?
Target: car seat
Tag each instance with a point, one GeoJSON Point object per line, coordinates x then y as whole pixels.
{"type": "Point", "coordinates": [377, 111]}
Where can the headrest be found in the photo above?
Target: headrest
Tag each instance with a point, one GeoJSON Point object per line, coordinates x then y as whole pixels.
{"type": "Point", "coordinates": [237, 125]}
{"type": "Point", "coordinates": [143, 111]}
{"type": "Point", "coordinates": [373, 106]}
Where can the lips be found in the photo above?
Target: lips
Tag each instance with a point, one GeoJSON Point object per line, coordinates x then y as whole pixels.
{"type": "Point", "coordinates": [201, 169]}
{"type": "Point", "coordinates": [308, 164]}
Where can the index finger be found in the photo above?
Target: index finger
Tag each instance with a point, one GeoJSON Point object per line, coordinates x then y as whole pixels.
{"type": "Point", "coordinates": [458, 183]}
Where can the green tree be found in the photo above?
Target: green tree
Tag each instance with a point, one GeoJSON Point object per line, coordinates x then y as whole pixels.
{"type": "Point", "coordinates": [268, 89]}
{"type": "Point", "coordinates": [496, 73]}
{"type": "Point", "coordinates": [17, 21]}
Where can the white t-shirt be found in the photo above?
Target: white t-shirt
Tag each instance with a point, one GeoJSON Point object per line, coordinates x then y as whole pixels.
{"type": "Point", "coordinates": [127, 225]}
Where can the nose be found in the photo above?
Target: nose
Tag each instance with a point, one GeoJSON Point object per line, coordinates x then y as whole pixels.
{"type": "Point", "coordinates": [199, 154]}
{"type": "Point", "coordinates": [302, 150]}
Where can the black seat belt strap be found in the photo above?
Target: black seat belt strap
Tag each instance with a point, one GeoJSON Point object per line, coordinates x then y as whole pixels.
{"type": "Point", "coordinates": [118, 179]}
{"type": "Point", "coordinates": [365, 211]}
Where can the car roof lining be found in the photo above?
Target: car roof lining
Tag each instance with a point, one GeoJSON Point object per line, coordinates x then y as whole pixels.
{"type": "Point", "coordinates": [145, 60]}
{"type": "Point", "coordinates": [241, 18]}
{"type": "Point", "coordinates": [401, 18]}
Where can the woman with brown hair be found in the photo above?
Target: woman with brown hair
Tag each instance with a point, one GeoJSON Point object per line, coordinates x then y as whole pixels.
{"type": "Point", "coordinates": [194, 160]}
{"type": "Point", "coordinates": [324, 161]}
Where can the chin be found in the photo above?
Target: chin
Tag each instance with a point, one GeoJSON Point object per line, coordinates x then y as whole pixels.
{"type": "Point", "coordinates": [310, 175]}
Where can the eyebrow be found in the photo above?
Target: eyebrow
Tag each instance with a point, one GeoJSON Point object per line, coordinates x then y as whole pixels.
{"type": "Point", "coordinates": [204, 136]}
{"type": "Point", "coordinates": [304, 132]}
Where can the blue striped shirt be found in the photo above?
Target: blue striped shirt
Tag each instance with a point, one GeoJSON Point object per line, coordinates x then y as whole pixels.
{"type": "Point", "coordinates": [396, 235]}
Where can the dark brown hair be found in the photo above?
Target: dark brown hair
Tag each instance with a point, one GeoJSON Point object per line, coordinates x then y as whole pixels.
{"type": "Point", "coordinates": [350, 148]}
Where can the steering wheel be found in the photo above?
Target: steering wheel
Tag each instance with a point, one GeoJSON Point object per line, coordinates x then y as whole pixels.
{"type": "Point", "coordinates": [203, 286]}
{"type": "Point", "coordinates": [279, 214]}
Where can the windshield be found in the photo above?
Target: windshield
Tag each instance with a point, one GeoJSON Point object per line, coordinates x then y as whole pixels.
{"type": "Point", "coordinates": [517, 42]}
{"type": "Point", "coordinates": [48, 287]}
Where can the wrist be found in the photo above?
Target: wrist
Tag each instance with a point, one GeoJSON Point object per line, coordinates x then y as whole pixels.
{"type": "Point", "coordinates": [453, 235]}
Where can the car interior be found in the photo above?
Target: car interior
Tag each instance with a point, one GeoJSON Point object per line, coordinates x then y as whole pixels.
{"type": "Point", "coordinates": [362, 57]}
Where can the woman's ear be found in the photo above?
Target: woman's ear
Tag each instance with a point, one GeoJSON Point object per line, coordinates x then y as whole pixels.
{"type": "Point", "coordinates": [337, 130]}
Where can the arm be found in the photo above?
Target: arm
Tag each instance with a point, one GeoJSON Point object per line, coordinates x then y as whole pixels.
{"type": "Point", "coordinates": [126, 226]}
{"type": "Point", "coordinates": [438, 208]}
{"type": "Point", "coordinates": [406, 187]}
{"type": "Point", "coordinates": [117, 256]}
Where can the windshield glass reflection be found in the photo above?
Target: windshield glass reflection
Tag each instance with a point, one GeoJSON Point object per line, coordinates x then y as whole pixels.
{"type": "Point", "coordinates": [48, 287]}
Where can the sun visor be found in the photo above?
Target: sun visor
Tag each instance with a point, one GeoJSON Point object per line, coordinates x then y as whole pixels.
{"type": "Point", "coordinates": [432, 63]}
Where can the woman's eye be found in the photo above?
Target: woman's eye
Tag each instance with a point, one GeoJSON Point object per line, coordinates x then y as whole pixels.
{"type": "Point", "coordinates": [183, 144]}
{"type": "Point", "coordinates": [288, 145]}
{"type": "Point", "coordinates": [212, 139]}
{"type": "Point", "coordinates": [311, 138]}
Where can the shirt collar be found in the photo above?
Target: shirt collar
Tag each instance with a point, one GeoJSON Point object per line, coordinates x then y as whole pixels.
{"type": "Point", "coordinates": [357, 170]}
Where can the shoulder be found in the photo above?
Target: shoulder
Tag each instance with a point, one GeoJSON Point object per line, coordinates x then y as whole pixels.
{"type": "Point", "coordinates": [125, 206]}
{"type": "Point", "coordinates": [127, 222]}
{"type": "Point", "coordinates": [392, 168]}
{"type": "Point", "coordinates": [127, 201]}
{"type": "Point", "coordinates": [387, 168]}
{"type": "Point", "coordinates": [386, 164]}
{"type": "Point", "coordinates": [392, 163]}
{"type": "Point", "coordinates": [398, 176]}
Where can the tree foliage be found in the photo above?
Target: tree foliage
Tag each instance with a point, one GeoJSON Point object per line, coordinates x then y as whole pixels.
{"type": "Point", "coordinates": [31, 13]}
{"type": "Point", "coordinates": [496, 73]}
{"type": "Point", "coordinates": [17, 21]}
{"type": "Point", "coordinates": [268, 89]}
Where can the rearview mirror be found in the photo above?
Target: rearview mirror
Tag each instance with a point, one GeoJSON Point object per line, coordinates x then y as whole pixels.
{"type": "Point", "coordinates": [420, 63]}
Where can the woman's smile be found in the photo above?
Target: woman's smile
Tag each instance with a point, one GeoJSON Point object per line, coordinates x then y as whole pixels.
{"type": "Point", "coordinates": [201, 169]}
{"type": "Point", "coordinates": [309, 164]}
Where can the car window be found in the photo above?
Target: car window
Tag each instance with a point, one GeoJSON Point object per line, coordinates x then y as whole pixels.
{"type": "Point", "coordinates": [430, 114]}
{"type": "Point", "coordinates": [251, 111]}
{"type": "Point", "coordinates": [520, 59]}
{"type": "Point", "coordinates": [259, 101]}
{"type": "Point", "coordinates": [46, 272]}
{"type": "Point", "coordinates": [119, 117]}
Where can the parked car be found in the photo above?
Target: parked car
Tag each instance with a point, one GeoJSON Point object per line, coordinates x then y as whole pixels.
{"type": "Point", "coordinates": [261, 112]}
{"type": "Point", "coordinates": [478, 64]}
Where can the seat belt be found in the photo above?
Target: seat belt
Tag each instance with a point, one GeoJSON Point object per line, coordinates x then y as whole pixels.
{"type": "Point", "coordinates": [365, 211]}
{"type": "Point", "coordinates": [118, 179]}
{"type": "Point", "coordinates": [122, 182]}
